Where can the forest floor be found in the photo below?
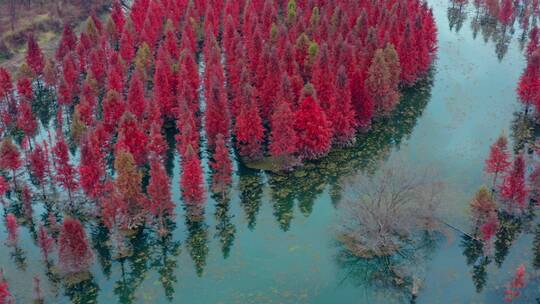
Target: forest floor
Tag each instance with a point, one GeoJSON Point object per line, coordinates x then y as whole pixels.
{"type": "Point", "coordinates": [44, 19]}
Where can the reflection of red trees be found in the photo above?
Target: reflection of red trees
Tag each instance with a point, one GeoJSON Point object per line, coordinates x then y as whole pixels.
{"type": "Point", "coordinates": [234, 71]}
{"type": "Point", "coordinates": [518, 282]}
{"type": "Point", "coordinates": [5, 295]}
{"type": "Point", "coordinates": [12, 228]}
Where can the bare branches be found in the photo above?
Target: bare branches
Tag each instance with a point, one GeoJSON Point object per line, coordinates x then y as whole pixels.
{"type": "Point", "coordinates": [388, 210]}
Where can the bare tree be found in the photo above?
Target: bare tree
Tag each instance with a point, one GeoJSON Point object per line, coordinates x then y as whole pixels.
{"type": "Point", "coordinates": [389, 210]}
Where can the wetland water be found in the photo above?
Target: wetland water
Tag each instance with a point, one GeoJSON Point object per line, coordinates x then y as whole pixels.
{"type": "Point", "coordinates": [275, 240]}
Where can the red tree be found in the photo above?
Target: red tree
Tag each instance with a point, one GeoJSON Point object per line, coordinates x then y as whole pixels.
{"type": "Point", "coordinates": [513, 189]}
{"type": "Point", "coordinates": [133, 138]}
{"type": "Point", "coordinates": [65, 172]}
{"type": "Point", "coordinates": [91, 166]}
{"type": "Point", "coordinates": [135, 99]}
{"type": "Point", "coordinates": [74, 253]}
{"type": "Point", "coordinates": [283, 138]}
{"type": "Point", "coordinates": [313, 129]}
{"type": "Point", "coordinates": [113, 109]}
{"type": "Point", "coordinates": [5, 295]}
{"type": "Point", "coordinates": [161, 205]}
{"type": "Point", "coordinates": [217, 111]}
{"type": "Point", "coordinates": [248, 128]}
{"type": "Point", "coordinates": [26, 121]}
{"type": "Point", "coordinates": [68, 42]}
{"type": "Point", "coordinates": [34, 56]}
{"type": "Point", "coordinates": [191, 181]}
{"type": "Point", "coordinates": [341, 111]}
{"type": "Point", "coordinates": [10, 157]}
{"type": "Point", "coordinates": [498, 161]}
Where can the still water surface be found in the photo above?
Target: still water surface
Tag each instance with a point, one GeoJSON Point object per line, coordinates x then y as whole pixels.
{"type": "Point", "coordinates": [275, 241]}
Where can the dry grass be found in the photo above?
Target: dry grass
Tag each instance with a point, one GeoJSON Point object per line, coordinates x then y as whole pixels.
{"type": "Point", "coordinates": [44, 19]}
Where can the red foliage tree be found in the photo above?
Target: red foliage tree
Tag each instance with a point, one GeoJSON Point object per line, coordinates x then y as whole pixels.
{"type": "Point", "coordinates": [24, 88]}
{"type": "Point", "coordinates": [159, 190]}
{"type": "Point", "coordinates": [222, 166]}
{"type": "Point", "coordinates": [217, 111]}
{"type": "Point", "coordinates": [162, 87]}
{"type": "Point", "coordinates": [65, 172]}
{"type": "Point", "coordinates": [91, 166]}
{"type": "Point", "coordinates": [68, 42]}
{"type": "Point", "coordinates": [12, 228]}
{"type": "Point", "coordinates": [248, 128]}
{"type": "Point", "coordinates": [313, 129]}
{"type": "Point", "coordinates": [39, 164]}
{"type": "Point", "coordinates": [118, 15]}
{"type": "Point", "coordinates": [283, 138]}
{"type": "Point", "coordinates": [506, 12]}
{"type": "Point", "coordinates": [6, 84]}
{"type": "Point", "coordinates": [529, 83]}
{"type": "Point", "coordinates": [135, 98]}
{"type": "Point", "coordinates": [68, 86]}
{"type": "Point", "coordinates": [5, 295]}
{"type": "Point", "coordinates": [132, 138]}
{"type": "Point", "coordinates": [74, 253]}
{"type": "Point", "coordinates": [191, 181]}
{"type": "Point", "coordinates": [34, 56]}
{"type": "Point", "coordinates": [113, 109]}
{"type": "Point", "coordinates": [513, 190]}
{"type": "Point", "coordinates": [10, 157]}
{"type": "Point", "coordinates": [26, 121]}
{"type": "Point", "coordinates": [341, 110]}
{"type": "Point", "coordinates": [498, 161]}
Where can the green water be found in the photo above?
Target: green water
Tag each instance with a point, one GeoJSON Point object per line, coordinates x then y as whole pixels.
{"type": "Point", "coordinates": [275, 240]}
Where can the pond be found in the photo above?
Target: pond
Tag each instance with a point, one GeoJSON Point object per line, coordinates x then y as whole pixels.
{"type": "Point", "coordinates": [275, 240]}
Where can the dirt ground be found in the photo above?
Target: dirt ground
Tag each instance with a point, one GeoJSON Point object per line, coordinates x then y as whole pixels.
{"type": "Point", "coordinates": [44, 18]}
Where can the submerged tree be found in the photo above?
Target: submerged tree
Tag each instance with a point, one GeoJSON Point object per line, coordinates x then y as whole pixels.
{"type": "Point", "coordinates": [12, 228]}
{"type": "Point", "coordinates": [74, 253]}
{"type": "Point", "coordinates": [388, 211]}
{"type": "Point", "coordinates": [161, 205]}
{"type": "Point", "coordinates": [498, 160]}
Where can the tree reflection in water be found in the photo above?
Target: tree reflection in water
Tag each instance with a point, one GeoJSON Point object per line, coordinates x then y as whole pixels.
{"type": "Point", "coordinates": [130, 257]}
{"type": "Point", "coordinates": [494, 20]}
